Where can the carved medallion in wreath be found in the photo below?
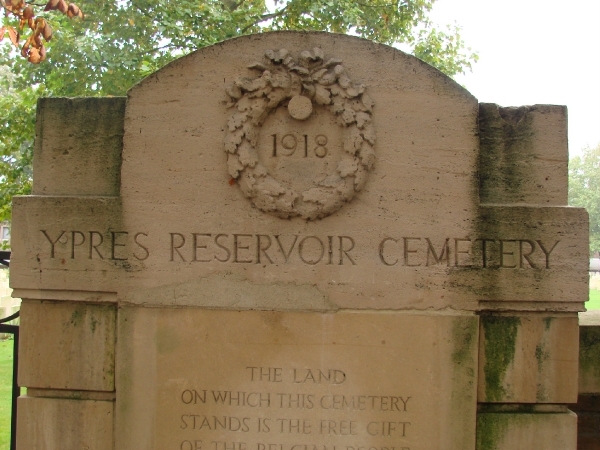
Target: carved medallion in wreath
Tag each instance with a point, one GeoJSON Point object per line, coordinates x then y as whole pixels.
{"type": "Point", "coordinates": [300, 140]}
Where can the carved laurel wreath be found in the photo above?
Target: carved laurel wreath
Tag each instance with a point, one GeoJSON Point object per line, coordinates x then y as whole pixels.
{"type": "Point", "coordinates": [298, 85]}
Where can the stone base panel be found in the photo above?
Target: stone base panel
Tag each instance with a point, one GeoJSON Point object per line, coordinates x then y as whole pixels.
{"type": "Point", "coordinates": [60, 424]}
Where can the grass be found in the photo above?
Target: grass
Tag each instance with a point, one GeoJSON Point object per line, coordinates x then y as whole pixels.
{"type": "Point", "coordinates": [6, 367]}
{"type": "Point", "coordinates": [594, 301]}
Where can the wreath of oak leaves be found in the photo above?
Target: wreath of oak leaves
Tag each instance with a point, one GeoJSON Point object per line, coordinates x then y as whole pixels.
{"type": "Point", "coordinates": [326, 84]}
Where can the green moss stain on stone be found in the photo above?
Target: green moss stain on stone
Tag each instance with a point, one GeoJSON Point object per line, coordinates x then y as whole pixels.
{"type": "Point", "coordinates": [548, 322]}
{"type": "Point", "coordinates": [589, 350]}
{"type": "Point", "coordinates": [490, 429]}
{"type": "Point", "coordinates": [94, 322]}
{"type": "Point", "coordinates": [77, 315]}
{"type": "Point", "coordinates": [500, 339]}
{"type": "Point", "coordinates": [541, 355]}
{"type": "Point", "coordinates": [506, 152]}
{"type": "Point", "coordinates": [110, 324]}
{"type": "Point", "coordinates": [464, 334]}
{"type": "Point", "coordinates": [465, 339]}
{"type": "Point", "coordinates": [526, 408]}
{"type": "Point", "coordinates": [124, 378]}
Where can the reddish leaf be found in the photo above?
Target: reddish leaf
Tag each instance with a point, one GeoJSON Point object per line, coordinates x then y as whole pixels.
{"type": "Point", "coordinates": [74, 9]}
{"type": "Point", "coordinates": [13, 36]}
{"type": "Point", "coordinates": [231, 181]}
{"type": "Point", "coordinates": [47, 32]}
{"type": "Point", "coordinates": [34, 49]}
{"type": "Point", "coordinates": [40, 24]}
{"type": "Point", "coordinates": [28, 12]}
{"type": "Point", "coordinates": [34, 56]}
{"type": "Point", "coordinates": [52, 4]}
{"type": "Point", "coordinates": [17, 4]}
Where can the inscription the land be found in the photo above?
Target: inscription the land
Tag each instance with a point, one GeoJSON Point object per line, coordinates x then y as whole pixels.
{"type": "Point", "coordinates": [259, 413]}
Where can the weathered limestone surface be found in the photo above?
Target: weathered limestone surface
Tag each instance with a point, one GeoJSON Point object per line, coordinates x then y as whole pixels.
{"type": "Point", "coordinates": [344, 376]}
{"type": "Point", "coordinates": [58, 424]}
{"type": "Point", "coordinates": [67, 345]}
{"type": "Point", "coordinates": [528, 358]}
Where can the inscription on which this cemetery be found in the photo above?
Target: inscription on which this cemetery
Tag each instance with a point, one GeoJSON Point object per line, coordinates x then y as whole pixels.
{"type": "Point", "coordinates": [365, 422]}
{"type": "Point", "coordinates": [245, 248]}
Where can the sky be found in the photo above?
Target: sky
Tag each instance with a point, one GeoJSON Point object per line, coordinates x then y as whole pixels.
{"type": "Point", "coordinates": [534, 52]}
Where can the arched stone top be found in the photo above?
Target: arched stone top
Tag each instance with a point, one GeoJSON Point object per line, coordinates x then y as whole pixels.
{"type": "Point", "coordinates": [363, 53]}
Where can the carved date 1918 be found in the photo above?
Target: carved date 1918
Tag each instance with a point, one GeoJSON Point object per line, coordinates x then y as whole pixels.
{"type": "Point", "coordinates": [288, 144]}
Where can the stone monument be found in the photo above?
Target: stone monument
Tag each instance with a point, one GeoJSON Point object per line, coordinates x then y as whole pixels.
{"type": "Point", "coordinates": [298, 241]}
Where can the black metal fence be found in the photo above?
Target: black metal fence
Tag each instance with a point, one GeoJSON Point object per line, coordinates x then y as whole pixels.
{"type": "Point", "coordinates": [14, 330]}
{"type": "Point", "coordinates": [7, 328]}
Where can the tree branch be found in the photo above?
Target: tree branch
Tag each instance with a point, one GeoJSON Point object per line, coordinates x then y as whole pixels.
{"type": "Point", "coordinates": [232, 5]}
{"type": "Point", "coordinates": [265, 17]}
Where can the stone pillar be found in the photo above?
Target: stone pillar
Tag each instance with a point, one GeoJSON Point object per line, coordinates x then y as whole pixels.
{"type": "Point", "coordinates": [68, 336]}
{"type": "Point", "coordinates": [528, 350]}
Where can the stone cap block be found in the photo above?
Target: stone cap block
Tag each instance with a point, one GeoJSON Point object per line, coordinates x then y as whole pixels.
{"type": "Point", "coordinates": [524, 154]}
{"type": "Point", "coordinates": [78, 143]}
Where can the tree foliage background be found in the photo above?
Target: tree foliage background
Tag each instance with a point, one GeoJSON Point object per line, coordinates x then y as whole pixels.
{"type": "Point", "coordinates": [120, 42]}
{"type": "Point", "coordinates": [584, 190]}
